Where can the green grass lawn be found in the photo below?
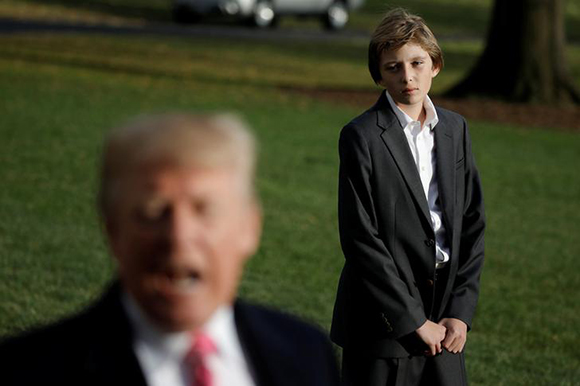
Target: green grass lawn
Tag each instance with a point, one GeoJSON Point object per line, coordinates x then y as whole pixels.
{"type": "Point", "coordinates": [60, 93]}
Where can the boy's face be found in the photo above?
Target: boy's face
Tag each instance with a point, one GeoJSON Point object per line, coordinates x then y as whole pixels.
{"type": "Point", "coordinates": [407, 74]}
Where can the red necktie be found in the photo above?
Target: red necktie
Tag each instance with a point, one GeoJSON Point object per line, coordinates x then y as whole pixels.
{"type": "Point", "coordinates": [197, 358]}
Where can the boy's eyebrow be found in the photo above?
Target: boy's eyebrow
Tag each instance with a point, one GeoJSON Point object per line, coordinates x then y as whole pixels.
{"type": "Point", "coordinates": [417, 57]}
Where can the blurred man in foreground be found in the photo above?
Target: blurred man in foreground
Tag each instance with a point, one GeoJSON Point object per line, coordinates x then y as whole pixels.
{"type": "Point", "coordinates": [181, 217]}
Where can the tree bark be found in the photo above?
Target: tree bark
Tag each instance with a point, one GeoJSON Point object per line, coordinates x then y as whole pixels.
{"type": "Point", "coordinates": [524, 58]}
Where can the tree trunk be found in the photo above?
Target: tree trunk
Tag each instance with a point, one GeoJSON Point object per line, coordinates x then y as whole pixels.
{"type": "Point", "coordinates": [524, 58]}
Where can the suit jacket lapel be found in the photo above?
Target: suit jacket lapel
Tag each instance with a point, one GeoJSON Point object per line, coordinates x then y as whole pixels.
{"type": "Point", "coordinates": [445, 172]}
{"type": "Point", "coordinates": [394, 138]}
{"type": "Point", "coordinates": [111, 359]}
{"type": "Point", "coordinates": [255, 348]}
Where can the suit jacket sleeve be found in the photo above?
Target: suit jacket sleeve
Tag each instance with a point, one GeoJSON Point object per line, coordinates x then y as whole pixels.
{"type": "Point", "coordinates": [465, 292]}
{"type": "Point", "coordinates": [364, 251]}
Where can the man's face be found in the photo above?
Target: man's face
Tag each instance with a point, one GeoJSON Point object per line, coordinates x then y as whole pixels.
{"type": "Point", "coordinates": [181, 237]}
{"type": "Point", "coordinates": [407, 74]}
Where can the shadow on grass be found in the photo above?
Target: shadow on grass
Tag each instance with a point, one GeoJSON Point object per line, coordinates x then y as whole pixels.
{"type": "Point", "coordinates": [102, 66]}
{"type": "Point", "coordinates": [135, 69]}
{"type": "Point", "coordinates": [150, 10]}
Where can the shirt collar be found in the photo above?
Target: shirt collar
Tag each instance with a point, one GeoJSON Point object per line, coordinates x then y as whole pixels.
{"type": "Point", "coordinates": [431, 118]}
{"type": "Point", "coordinates": [160, 346]}
{"type": "Point", "coordinates": [222, 329]}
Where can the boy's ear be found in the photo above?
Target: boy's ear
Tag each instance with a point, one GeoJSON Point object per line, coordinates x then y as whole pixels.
{"type": "Point", "coordinates": [435, 71]}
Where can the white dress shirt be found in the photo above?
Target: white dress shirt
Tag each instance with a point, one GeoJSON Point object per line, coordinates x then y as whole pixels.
{"type": "Point", "coordinates": [161, 355]}
{"type": "Point", "coordinates": [421, 141]}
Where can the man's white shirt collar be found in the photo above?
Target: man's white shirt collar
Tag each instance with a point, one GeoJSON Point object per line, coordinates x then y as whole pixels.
{"type": "Point", "coordinates": [161, 353]}
{"type": "Point", "coordinates": [153, 345]}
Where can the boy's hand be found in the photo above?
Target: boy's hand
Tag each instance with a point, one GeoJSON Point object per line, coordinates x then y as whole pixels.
{"type": "Point", "coordinates": [432, 334]}
{"type": "Point", "coordinates": [456, 334]}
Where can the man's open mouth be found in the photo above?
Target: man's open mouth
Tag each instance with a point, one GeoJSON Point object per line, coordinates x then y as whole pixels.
{"type": "Point", "coordinates": [178, 282]}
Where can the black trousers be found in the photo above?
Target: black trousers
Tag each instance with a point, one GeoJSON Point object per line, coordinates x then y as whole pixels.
{"type": "Point", "coordinates": [445, 369]}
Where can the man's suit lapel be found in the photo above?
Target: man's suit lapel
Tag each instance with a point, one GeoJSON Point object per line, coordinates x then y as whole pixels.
{"type": "Point", "coordinates": [445, 172]}
{"type": "Point", "coordinates": [394, 138]}
{"type": "Point", "coordinates": [255, 347]}
{"type": "Point", "coordinates": [272, 360]}
{"type": "Point", "coordinates": [111, 359]}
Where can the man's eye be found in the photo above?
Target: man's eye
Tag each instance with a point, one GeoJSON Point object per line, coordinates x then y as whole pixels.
{"type": "Point", "coordinates": [417, 63]}
{"type": "Point", "coordinates": [205, 209]}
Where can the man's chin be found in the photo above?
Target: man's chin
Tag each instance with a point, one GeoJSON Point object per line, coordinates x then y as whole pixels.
{"type": "Point", "coordinates": [177, 317]}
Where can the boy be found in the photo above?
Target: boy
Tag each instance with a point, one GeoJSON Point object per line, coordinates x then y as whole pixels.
{"type": "Point", "coordinates": [411, 222]}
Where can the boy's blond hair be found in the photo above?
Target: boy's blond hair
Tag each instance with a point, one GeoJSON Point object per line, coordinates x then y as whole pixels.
{"type": "Point", "coordinates": [398, 28]}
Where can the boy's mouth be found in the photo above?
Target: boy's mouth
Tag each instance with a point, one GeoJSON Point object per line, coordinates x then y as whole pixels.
{"type": "Point", "coordinates": [409, 90]}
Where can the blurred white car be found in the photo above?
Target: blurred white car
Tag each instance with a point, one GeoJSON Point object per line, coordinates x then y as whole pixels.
{"type": "Point", "coordinates": [264, 13]}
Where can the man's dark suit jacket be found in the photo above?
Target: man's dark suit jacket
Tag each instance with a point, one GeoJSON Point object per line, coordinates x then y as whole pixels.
{"type": "Point", "coordinates": [386, 289]}
{"type": "Point", "coordinates": [95, 348]}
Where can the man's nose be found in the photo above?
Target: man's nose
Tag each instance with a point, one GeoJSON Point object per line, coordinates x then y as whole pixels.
{"type": "Point", "coordinates": [182, 230]}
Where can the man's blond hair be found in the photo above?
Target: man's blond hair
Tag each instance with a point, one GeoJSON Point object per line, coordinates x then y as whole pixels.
{"type": "Point", "coordinates": [398, 28]}
{"type": "Point", "coordinates": [176, 140]}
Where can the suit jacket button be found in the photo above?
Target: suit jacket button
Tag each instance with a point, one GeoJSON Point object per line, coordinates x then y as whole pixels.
{"type": "Point", "coordinates": [430, 283]}
{"type": "Point", "coordinates": [430, 243]}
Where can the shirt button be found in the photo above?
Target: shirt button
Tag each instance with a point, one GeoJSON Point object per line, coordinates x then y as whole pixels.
{"type": "Point", "coordinates": [430, 243]}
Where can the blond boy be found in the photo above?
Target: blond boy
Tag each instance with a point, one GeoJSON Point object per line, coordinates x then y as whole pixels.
{"type": "Point", "coordinates": [411, 222]}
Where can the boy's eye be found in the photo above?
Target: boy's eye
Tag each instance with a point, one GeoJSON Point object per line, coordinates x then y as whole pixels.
{"type": "Point", "coordinates": [417, 63]}
{"type": "Point", "coordinates": [392, 68]}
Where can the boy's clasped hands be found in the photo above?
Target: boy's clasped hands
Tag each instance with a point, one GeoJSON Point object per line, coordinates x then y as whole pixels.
{"type": "Point", "coordinates": [449, 334]}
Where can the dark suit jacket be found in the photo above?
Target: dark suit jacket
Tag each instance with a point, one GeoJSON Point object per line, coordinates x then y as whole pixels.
{"type": "Point", "coordinates": [386, 289]}
{"type": "Point", "coordinates": [95, 348]}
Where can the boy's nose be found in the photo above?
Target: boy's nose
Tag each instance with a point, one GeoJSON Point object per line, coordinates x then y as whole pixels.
{"type": "Point", "coordinates": [407, 74]}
